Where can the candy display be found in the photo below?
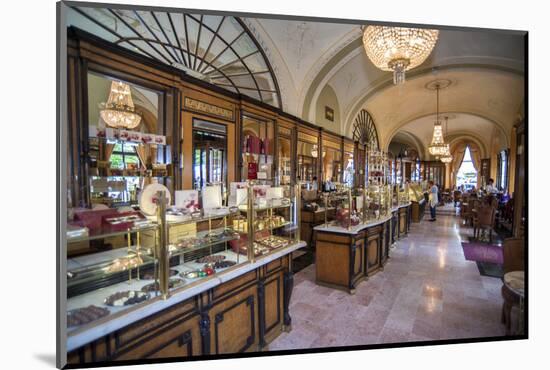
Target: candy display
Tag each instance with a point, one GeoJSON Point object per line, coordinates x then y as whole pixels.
{"type": "Point", "coordinates": [208, 259]}
{"type": "Point", "coordinates": [84, 315]}
{"type": "Point", "coordinates": [126, 298]}
{"type": "Point", "coordinates": [172, 283]}
{"type": "Point", "coordinates": [224, 264]}
{"type": "Point", "coordinates": [273, 242]}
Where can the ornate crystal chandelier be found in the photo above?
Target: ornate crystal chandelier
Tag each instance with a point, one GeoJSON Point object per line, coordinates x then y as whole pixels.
{"type": "Point", "coordinates": [119, 111]}
{"type": "Point", "coordinates": [398, 49]}
{"type": "Point", "coordinates": [438, 147]}
{"type": "Point", "coordinates": [447, 157]}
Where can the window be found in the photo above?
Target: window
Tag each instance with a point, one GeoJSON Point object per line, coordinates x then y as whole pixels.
{"type": "Point", "coordinates": [124, 155]}
{"type": "Point", "coordinates": [467, 174]}
{"type": "Point", "coordinates": [502, 170]}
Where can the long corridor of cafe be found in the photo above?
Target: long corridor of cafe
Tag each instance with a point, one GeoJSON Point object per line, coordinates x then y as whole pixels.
{"type": "Point", "coordinates": [427, 291]}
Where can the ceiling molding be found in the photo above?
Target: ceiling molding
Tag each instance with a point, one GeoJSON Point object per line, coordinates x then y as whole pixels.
{"type": "Point", "coordinates": [387, 82]}
{"type": "Point", "coordinates": [399, 127]}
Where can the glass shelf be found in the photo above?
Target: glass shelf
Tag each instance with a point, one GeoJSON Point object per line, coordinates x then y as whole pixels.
{"type": "Point", "coordinates": [82, 272]}
{"type": "Point", "coordinates": [202, 241]}
{"type": "Point", "coordinates": [135, 229]}
{"type": "Point", "coordinates": [202, 218]}
{"type": "Point", "coordinates": [243, 208]}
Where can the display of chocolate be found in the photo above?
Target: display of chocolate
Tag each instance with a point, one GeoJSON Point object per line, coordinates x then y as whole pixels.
{"type": "Point", "coordinates": [208, 259]}
{"type": "Point", "coordinates": [224, 264]}
{"type": "Point", "coordinates": [126, 298]}
{"type": "Point", "coordinates": [150, 275]}
{"type": "Point", "coordinates": [344, 220]}
{"type": "Point", "coordinates": [123, 264]}
{"type": "Point", "coordinates": [153, 287]}
{"type": "Point", "coordinates": [273, 242]}
{"type": "Point", "coordinates": [187, 243]}
{"type": "Point", "coordinates": [84, 315]}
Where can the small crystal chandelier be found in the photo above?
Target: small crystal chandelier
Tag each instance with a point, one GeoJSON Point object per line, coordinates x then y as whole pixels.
{"type": "Point", "coordinates": [447, 157]}
{"type": "Point", "coordinates": [398, 49]}
{"type": "Point", "coordinates": [438, 147]}
{"type": "Point", "coordinates": [119, 111]}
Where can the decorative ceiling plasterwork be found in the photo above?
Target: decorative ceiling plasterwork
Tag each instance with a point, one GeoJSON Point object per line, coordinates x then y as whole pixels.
{"type": "Point", "coordinates": [324, 81]}
{"type": "Point", "coordinates": [315, 70]}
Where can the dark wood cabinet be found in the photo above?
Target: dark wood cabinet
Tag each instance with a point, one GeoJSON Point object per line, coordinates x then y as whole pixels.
{"type": "Point", "coordinates": [241, 315]}
{"type": "Point", "coordinates": [374, 248]}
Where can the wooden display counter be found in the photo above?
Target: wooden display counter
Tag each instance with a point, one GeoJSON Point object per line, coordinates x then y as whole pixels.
{"type": "Point", "coordinates": [345, 257]}
{"type": "Point", "coordinates": [241, 311]}
{"type": "Point", "coordinates": [417, 210]}
{"type": "Point", "coordinates": [310, 219]}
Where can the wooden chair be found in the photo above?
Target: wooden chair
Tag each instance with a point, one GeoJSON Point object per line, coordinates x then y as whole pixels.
{"type": "Point", "coordinates": [513, 260]}
{"type": "Point", "coordinates": [484, 218]}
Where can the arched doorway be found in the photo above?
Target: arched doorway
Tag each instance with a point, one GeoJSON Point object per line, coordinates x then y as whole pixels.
{"type": "Point", "coordinates": [466, 177]}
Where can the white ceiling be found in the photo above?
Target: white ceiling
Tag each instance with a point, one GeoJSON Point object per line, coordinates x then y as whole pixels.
{"type": "Point", "coordinates": [486, 70]}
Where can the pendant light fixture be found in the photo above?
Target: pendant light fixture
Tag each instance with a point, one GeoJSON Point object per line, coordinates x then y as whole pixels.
{"type": "Point", "coordinates": [447, 157]}
{"type": "Point", "coordinates": [119, 111]}
{"type": "Point", "coordinates": [398, 49]}
{"type": "Point", "coordinates": [437, 147]}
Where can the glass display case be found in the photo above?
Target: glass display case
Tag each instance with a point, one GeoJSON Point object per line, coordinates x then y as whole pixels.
{"type": "Point", "coordinates": [269, 219]}
{"type": "Point", "coordinates": [112, 264]}
{"type": "Point", "coordinates": [118, 259]}
{"type": "Point", "coordinates": [415, 193]}
{"type": "Point", "coordinates": [404, 194]}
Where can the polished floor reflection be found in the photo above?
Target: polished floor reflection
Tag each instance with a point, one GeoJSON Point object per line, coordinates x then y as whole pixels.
{"type": "Point", "coordinates": [427, 291]}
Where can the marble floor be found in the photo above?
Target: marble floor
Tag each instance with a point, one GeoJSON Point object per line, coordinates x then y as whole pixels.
{"type": "Point", "coordinates": [427, 291]}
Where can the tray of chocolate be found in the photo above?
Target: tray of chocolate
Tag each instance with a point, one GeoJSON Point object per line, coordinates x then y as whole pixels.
{"type": "Point", "coordinates": [211, 259]}
{"type": "Point", "coordinates": [126, 298]}
{"type": "Point", "coordinates": [150, 275]}
{"type": "Point", "coordinates": [223, 264]}
{"type": "Point", "coordinates": [273, 242]}
{"type": "Point", "coordinates": [84, 315]}
{"type": "Point", "coordinates": [153, 287]}
{"type": "Point", "coordinates": [188, 243]}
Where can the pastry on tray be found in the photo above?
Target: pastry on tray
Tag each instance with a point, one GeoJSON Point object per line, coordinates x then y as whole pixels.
{"type": "Point", "coordinates": [84, 315]}
{"type": "Point", "coordinates": [126, 298]}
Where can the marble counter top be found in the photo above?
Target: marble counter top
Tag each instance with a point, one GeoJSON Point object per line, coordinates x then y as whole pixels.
{"type": "Point", "coordinates": [121, 317]}
{"type": "Point", "coordinates": [358, 228]}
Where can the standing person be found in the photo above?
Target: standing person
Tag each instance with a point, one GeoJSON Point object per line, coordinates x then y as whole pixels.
{"type": "Point", "coordinates": [490, 188]}
{"type": "Point", "coordinates": [314, 183]}
{"type": "Point", "coordinates": [433, 199]}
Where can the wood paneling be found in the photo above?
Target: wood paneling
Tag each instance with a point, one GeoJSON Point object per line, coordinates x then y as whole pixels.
{"type": "Point", "coordinates": [234, 323]}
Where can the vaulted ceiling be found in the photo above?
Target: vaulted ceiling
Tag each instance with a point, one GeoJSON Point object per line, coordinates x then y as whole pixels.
{"type": "Point", "coordinates": [485, 68]}
{"type": "Point", "coordinates": [303, 66]}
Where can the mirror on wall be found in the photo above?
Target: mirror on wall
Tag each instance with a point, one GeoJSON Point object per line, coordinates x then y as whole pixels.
{"type": "Point", "coordinates": [332, 165]}
{"type": "Point", "coordinates": [257, 149]}
{"type": "Point", "coordinates": [307, 163]}
{"type": "Point", "coordinates": [126, 142]}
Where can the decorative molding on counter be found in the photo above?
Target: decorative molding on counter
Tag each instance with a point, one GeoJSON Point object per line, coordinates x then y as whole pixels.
{"type": "Point", "coordinates": [79, 337]}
